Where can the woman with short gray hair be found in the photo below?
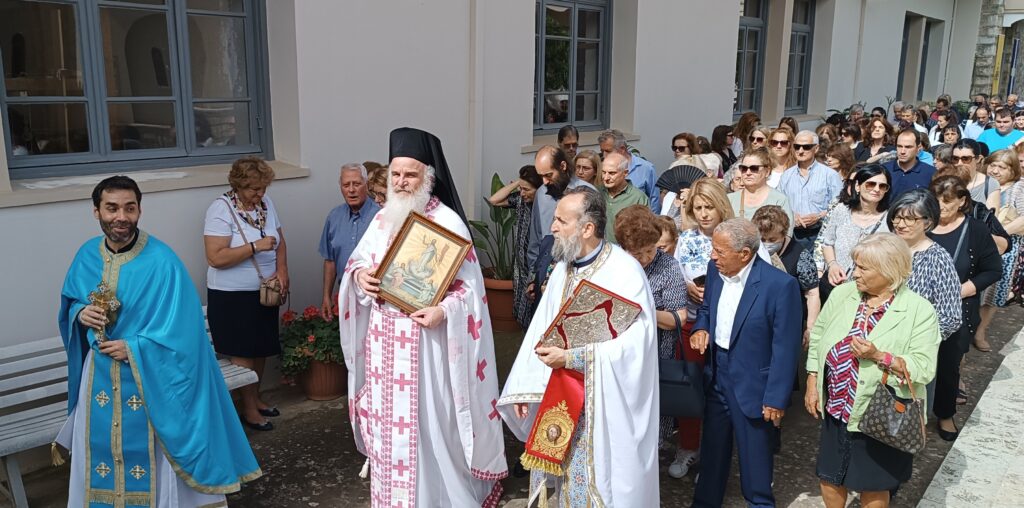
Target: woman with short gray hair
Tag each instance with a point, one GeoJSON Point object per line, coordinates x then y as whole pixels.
{"type": "Point", "coordinates": [857, 348]}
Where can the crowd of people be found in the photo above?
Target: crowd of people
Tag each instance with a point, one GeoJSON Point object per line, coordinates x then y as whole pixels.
{"type": "Point", "coordinates": [866, 254]}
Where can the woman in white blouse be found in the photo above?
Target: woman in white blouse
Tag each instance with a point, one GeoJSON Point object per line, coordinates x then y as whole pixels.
{"type": "Point", "coordinates": [244, 245]}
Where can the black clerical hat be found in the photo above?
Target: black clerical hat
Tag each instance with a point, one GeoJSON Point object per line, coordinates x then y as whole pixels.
{"type": "Point", "coordinates": [426, 148]}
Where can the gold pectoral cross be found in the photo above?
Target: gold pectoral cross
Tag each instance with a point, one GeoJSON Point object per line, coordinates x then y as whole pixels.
{"type": "Point", "coordinates": [104, 298]}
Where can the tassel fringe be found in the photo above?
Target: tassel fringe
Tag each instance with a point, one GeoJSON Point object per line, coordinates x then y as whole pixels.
{"type": "Point", "coordinates": [365, 471]}
{"type": "Point", "coordinates": [55, 457]}
{"type": "Point", "coordinates": [538, 464]}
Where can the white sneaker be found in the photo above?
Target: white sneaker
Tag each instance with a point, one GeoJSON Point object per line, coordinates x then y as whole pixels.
{"type": "Point", "coordinates": [685, 459]}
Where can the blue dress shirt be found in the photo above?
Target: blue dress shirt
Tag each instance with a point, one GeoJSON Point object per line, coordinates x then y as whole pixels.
{"type": "Point", "coordinates": [641, 175]}
{"type": "Point", "coordinates": [343, 230]}
{"type": "Point", "coordinates": [812, 194]}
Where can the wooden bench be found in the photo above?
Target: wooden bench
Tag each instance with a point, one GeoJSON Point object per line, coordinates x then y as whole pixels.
{"type": "Point", "coordinates": [33, 402]}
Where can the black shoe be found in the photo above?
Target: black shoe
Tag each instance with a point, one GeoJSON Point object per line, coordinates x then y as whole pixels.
{"type": "Point", "coordinates": [947, 435]}
{"type": "Point", "coordinates": [259, 426]}
{"type": "Point", "coordinates": [270, 411]}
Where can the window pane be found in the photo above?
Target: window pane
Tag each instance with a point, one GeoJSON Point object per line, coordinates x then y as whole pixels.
{"type": "Point", "coordinates": [48, 128]}
{"type": "Point", "coordinates": [587, 66]}
{"type": "Point", "coordinates": [222, 124]}
{"type": "Point", "coordinates": [40, 49]}
{"type": "Point", "coordinates": [137, 61]}
{"type": "Point", "coordinates": [586, 107]}
{"type": "Point", "coordinates": [750, 8]}
{"type": "Point", "coordinates": [217, 46]}
{"type": "Point", "coordinates": [802, 12]}
{"type": "Point", "coordinates": [558, 21]}
{"type": "Point", "coordinates": [556, 108]}
{"type": "Point", "coordinates": [556, 65]}
{"type": "Point", "coordinates": [135, 126]}
{"type": "Point", "coordinates": [217, 5]}
{"type": "Point", "coordinates": [589, 24]}
{"type": "Point", "coordinates": [146, 2]}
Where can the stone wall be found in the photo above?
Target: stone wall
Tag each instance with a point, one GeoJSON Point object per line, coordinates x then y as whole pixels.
{"type": "Point", "coordinates": [989, 29]}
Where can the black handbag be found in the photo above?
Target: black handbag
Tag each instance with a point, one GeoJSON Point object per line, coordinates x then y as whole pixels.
{"type": "Point", "coordinates": [681, 383]}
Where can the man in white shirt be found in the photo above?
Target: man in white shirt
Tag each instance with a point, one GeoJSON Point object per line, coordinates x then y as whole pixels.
{"type": "Point", "coordinates": [753, 309]}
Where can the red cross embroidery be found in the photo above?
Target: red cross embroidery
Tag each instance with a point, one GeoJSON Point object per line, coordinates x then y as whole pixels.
{"type": "Point", "coordinates": [403, 425]}
{"type": "Point", "coordinates": [474, 326]}
{"type": "Point", "coordinates": [401, 468]}
{"type": "Point", "coordinates": [402, 382]}
{"type": "Point", "coordinates": [457, 287]}
{"type": "Point", "coordinates": [485, 299]}
{"type": "Point", "coordinates": [471, 255]}
{"type": "Point", "coordinates": [494, 409]}
{"type": "Point", "coordinates": [376, 374]}
{"type": "Point", "coordinates": [404, 339]}
{"type": "Point", "coordinates": [480, 368]}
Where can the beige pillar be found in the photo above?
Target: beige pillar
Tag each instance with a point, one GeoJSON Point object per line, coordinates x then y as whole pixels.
{"type": "Point", "coordinates": [776, 61]}
{"type": "Point", "coordinates": [915, 52]}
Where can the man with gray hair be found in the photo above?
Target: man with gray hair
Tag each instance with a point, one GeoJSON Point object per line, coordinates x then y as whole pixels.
{"type": "Point", "coordinates": [606, 452]}
{"type": "Point", "coordinates": [618, 192]}
{"type": "Point", "coordinates": [897, 109]}
{"type": "Point", "coordinates": [751, 320]}
{"type": "Point", "coordinates": [345, 225]}
{"type": "Point", "coordinates": [810, 187]}
{"type": "Point", "coordinates": [641, 171]}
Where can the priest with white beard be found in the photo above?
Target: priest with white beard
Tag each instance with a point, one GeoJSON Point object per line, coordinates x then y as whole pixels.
{"type": "Point", "coordinates": [611, 459]}
{"type": "Point", "coordinates": [423, 386]}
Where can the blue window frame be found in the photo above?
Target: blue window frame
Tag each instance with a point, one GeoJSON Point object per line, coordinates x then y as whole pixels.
{"type": "Point", "coordinates": [108, 85]}
{"type": "Point", "coordinates": [750, 56]}
{"type": "Point", "coordinates": [572, 64]}
{"type": "Point", "coordinates": [800, 42]}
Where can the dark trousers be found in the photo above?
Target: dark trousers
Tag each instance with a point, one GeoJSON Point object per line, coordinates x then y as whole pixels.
{"type": "Point", "coordinates": [755, 440]}
{"type": "Point", "coordinates": [807, 236]}
{"type": "Point", "coordinates": [947, 377]}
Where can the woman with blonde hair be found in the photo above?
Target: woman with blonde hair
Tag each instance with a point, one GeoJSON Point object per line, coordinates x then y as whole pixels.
{"type": "Point", "coordinates": [377, 185]}
{"type": "Point", "coordinates": [754, 168]}
{"type": "Point", "coordinates": [874, 333]}
{"type": "Point", "coordinates": [780, 143]}
{"type": "Point", "coordinates": [244, 244]}
{"type": "Point", "coordinates": [588, 167]}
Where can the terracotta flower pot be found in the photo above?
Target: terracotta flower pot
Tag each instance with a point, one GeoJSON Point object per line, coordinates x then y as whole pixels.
{"type": "Point", "coordinates": [499, 304]}
{"type": "Point", "coordinates": [324, 380]}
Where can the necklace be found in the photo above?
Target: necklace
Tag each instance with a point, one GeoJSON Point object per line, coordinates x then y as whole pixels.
{"type": "Point", "coordinates": [257, 220]}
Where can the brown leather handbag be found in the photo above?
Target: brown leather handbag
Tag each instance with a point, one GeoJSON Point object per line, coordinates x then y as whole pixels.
{"type": "Point", "coordinates": [270, 289]}
{"type": "Point", "coordinates": [896, 422]}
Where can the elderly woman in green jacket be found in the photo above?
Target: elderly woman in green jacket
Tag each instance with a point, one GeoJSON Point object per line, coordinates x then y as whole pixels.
{"type": "Point", "coordinates": [867, 327]}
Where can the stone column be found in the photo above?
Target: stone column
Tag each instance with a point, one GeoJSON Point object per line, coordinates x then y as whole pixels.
{"type": "Point", "coordinates": [989, 29]}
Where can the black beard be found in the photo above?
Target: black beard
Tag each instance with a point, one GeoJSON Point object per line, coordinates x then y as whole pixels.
{"type": "Point", "coordinates": [115, 238]}
{"type": "Point", "coordinates": [558, 185]}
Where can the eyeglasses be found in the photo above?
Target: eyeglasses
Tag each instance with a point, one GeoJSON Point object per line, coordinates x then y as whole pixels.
{"type": "Point", "coordinates": [804, 147]}
{"type": "Point", "coordinates": [757, 139]}
{"type": "Point", "coordinates": [882, 186]}
{"type": "Point", "coordinates": [961, 158]}
{"type": "Point", "coordinates": [729, 135]}
{"type": "Point", "coordinates": [753, 168]}
{"type": "Point", "coordinates": [876, 115]}
{"type": "Point", "coordinates": [780, 142]}
{"type": "Point", "coordinates": [570, 145]}
{"type": "Point", "coordinates": [905, 219]}
{"type": "Point", "coordinates": [680, 148]}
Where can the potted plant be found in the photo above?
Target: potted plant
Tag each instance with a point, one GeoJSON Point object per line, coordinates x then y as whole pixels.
{"type": "Point", "coordinates": [311, 353]}
{"type": "Point", "coordinates": [494, 239]}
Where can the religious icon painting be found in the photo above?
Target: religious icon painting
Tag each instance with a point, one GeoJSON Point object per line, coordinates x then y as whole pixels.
{"type": "Point", "coordinates": [420, 264]}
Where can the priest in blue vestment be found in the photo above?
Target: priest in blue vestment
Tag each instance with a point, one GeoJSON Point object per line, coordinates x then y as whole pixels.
{"type": "Point", "coordinates": [150, 419]}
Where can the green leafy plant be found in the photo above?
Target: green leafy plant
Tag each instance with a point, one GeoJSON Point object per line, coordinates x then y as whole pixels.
{"type": "Point", "coordinates": [494, 237]}
{"type": "Point", "coordinates": [308, 337]}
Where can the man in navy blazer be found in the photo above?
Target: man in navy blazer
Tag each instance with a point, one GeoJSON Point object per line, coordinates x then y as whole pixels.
{"type": "Point", "coordinates": [751, 320]}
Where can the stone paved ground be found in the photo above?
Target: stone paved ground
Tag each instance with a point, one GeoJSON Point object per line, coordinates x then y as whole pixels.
{"type": "Point", "coordinates": [309, 460]}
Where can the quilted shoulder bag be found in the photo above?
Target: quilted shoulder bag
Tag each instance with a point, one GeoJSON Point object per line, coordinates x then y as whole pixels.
{"type": "Point", "coordinates": [270, 289]}
{"type": "Point", "coordinates": [894, 421]}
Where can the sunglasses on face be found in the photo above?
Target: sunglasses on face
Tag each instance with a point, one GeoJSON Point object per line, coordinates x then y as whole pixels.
{"type": "Point", "coordinates": [570, 145]}
{"type": "Point", "coordinates": [804, 147]}
{"type": "Point", "coordinates": [757, 139]}
{"type": "Point", "coordinates": [753, 168]}
{"type": "Point", "coordinates": [882, 186]}
{"type": "Point", "coordinates": [962, 158]}
{"type": "Point", "coordinates": [780, 142]}
{"type": "Point", "coordinates": [729, 135]}
{"type": "Point", "coordinates": [679, 148]}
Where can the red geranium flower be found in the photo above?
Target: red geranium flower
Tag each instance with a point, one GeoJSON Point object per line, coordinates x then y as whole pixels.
{"type": "Point", "coordinates": [311, 338]}
{"type": "Point", "coordinates": [288, 317]}
{"type": "Point", "coordinates": [311, 312]}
